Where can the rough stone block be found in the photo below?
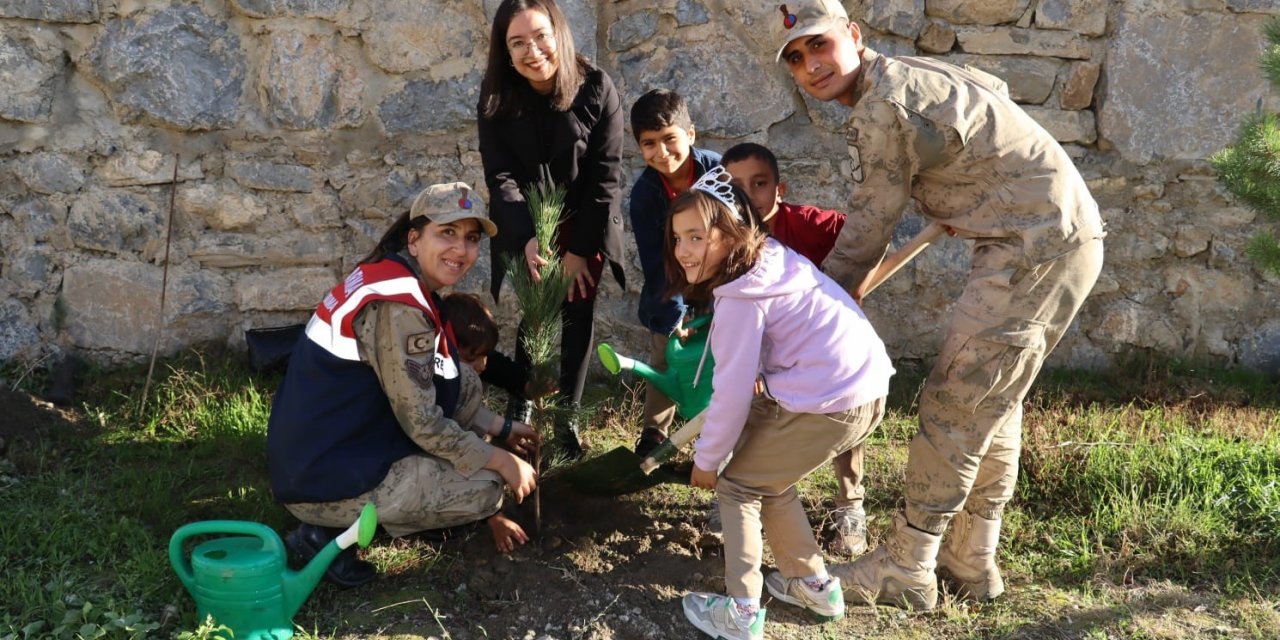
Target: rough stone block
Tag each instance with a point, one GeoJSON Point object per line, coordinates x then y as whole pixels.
{"type": "Point", "coordinates": [1269, 7]}
{"type": "Point", "coordinates": [113, 221]}
{"type": "Point", "coordinates": [262, 292]}
{"type": "Point", "coordinates": [900, 17]}
{"type": "Point", "coordinates": [969, 12]}
{"type": "Point", "coordinates": [936, 37]}
{"type": "Point", "coordinates": [1012, 41]}
{"type": "Point", "coordinates": [446, 37]}
{"type": "Point", "coordinates": [1149, 109]}
{"type": "Point", "coordinates": [307, 85]}
{"type": "Point", "coordinates": [722, 91]}
{"type": "Point", "coordinates": [271, 176]}
{"type": "Point", "coordinates": [115, 305]}
{"type": "Point", "coordinates": [1260, 349]}
{"type": "Point", "coordinates": [292, 248]}
{"type": "Point", "coordinates": [691, 12]}
{"type": "Point", "coordinates": [1030, 78]}
{"type": "Point", "coordinates": [47, 173]}
{"type": "Point", "coordinates": [221, 207]}
{"type": "Point", "coordinates": [82, 11]}
{"type": "Point", "coordinates": [30, 63]}
{"type": "Point", "coordinates": [632, 29]}
{"type": "Point", "coordinates": [1087, 17]}
{"type": "Point", "coordinates": [326, 9]}
{"type": "Point", "coordinates": [18, 333]}
{"type": "Point", "coordinates": [424, 106]}
{"type": "Point", "coordinates": [177, 67]}
{"type": "Point", "coordinates": [40, 218]}
{"type": "Point", "coordinates": [146, 167]}
{"type": "Point", "coordinates": [1077, 89]}
{"type": "Point", "coordinates": [1066, 126]}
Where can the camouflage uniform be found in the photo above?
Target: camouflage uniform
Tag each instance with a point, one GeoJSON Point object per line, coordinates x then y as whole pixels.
{"type": "Point", "coordinates": [445, 485]}
{"type": "Point", "coordinates": [973, 160]}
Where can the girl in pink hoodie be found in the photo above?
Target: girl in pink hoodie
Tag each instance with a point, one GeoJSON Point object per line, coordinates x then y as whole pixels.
{"type": "Point", "coordinates": [825, 375]}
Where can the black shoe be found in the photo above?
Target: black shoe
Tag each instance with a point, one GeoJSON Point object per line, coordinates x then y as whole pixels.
{"type": "Point", "coordinates": [649, 440]}
{"type": "Point", "coordinates": [568, 441]}
{"type": "Point", "coordinates": [346, 570]}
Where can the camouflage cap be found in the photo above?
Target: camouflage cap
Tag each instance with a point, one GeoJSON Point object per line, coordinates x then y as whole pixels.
{"type": "Point", "coordinates": [805, 18]}
{"type": "Point", "coordinates": [450, 202]}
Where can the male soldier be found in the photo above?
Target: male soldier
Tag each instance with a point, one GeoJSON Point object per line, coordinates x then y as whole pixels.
{"type": "Point", "coordinates": [972, 160]}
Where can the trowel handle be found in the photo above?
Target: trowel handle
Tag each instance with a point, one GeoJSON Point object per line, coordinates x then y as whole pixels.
{"type": "Point", "coordinates": [182, 564]}
{"type": "Point", "coordinates": [686, 434]}
{"type": "Point", "coordinates": [898, 259]}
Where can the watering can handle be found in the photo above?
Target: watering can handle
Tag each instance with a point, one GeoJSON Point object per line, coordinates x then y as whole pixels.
{"type": "Point", "coordinates": [698, 322]}
{"type": "Point", "coordinates": [182, 564]}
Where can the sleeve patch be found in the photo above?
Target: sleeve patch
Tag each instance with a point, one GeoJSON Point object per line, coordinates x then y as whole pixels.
{"type": "Point", "coordinates": [855, 156]}
{"type": "Point", "coordinates": [420, 343]}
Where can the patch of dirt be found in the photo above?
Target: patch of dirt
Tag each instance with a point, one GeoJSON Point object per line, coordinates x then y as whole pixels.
{"type": "Point", "coordinates": [27, 422]}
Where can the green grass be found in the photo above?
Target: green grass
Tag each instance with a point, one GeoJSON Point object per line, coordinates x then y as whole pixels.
{"type": "Point", "coordinates": [1150, 490]}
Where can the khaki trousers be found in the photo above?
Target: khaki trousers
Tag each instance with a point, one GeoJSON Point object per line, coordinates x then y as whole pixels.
{"type": "Point", "coordinates": [965, 455]}
{"type": "Point", "coordinates": [758, 487]}
{"type": "Point", "coordinates": [659, 410]}
{"type": "Point", "coordinates": [420, 492]}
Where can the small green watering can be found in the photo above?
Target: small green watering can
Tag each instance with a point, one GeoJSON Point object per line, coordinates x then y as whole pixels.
{"type": "Point", "coordinates": [243, 581]}
{"type": "Point", "coordinates": [682, 366]}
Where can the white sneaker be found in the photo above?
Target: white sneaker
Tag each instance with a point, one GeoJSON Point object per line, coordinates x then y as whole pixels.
{"type": "Point", "coordinates": [718, 617]}
{"type": "Point", "coordinates": [827, 604]}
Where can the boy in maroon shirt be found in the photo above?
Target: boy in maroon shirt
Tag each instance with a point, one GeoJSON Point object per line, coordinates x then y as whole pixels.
{"type": "Point", "coordinates": [811, 232]}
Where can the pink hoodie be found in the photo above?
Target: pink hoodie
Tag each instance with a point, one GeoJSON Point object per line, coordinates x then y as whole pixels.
{"type": "Point", "coordinates": [787, 321]}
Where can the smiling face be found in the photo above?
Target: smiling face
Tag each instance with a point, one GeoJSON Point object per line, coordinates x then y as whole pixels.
{"type": "Point", "coordinates": [826, 65]}
{"type": "Point", "coordinates": [700, 252]}
{"type": "Point", "coordinates": [667, 151]}
{"type": "Point", "coordinates": [531, 42]}
{"type": "Point", "coordinates": [445, 252]}
{"type": "Point", "coordinates": [755, 177]}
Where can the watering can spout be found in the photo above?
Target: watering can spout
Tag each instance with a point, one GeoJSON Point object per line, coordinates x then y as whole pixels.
{"type": "Point", "coordinates": [615, 363]}
{"type": "Point", "coordinates": [299, 584]}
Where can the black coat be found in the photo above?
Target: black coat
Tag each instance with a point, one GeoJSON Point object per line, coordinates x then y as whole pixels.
{"type": "Point", "coordinates": [582, 147]}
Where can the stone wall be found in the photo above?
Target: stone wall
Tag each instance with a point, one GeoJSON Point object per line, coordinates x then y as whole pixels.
{"type": "Point", "coordinates": [304, 126]}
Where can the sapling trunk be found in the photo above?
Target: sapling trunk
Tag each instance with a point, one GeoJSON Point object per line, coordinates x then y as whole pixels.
{"type": "Point", "coordinates": [540, 306]}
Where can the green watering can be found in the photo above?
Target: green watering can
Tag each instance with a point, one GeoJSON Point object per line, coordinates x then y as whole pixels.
{"type": "Point", "coordinates": [682, 366]}
{"type": "Point", "coordinates": [243, 581]}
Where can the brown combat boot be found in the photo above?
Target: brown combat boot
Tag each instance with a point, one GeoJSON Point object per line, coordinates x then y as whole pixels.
{"type": "Point", "coordinates": [898, 573]}
{"type": "Point", "coordinates": [968, 559]}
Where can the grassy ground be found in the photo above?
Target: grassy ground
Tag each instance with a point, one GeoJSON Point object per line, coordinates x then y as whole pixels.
{"type": "Point", "coordinates": [1149, 507]}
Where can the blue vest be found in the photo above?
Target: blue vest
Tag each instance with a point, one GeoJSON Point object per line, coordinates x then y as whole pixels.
{"type": "Point", "coordinates": [332, 434]}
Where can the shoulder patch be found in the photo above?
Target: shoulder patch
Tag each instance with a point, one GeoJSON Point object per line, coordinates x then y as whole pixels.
{"type": "Point", "coordinates": [855, 155]}
{"type": "Point", "coordinates": [420, 343]}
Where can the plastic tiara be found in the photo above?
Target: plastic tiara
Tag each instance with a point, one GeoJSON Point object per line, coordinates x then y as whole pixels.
{"type": "Point", "coordinates": [716, 182]}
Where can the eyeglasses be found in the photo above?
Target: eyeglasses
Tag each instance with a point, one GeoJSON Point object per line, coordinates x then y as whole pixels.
{"type": "Point", "coordinates": [545, 41]}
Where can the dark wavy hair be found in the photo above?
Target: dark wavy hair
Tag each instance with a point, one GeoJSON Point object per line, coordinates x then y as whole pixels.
{"type": "Point", "coordinates": [499, 90]}
{"type": "Point", "coordinates": [745, 238]}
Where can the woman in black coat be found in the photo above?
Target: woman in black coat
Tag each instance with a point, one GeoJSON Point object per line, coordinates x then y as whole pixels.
{"type": "Point", "coordinates": [542, 108]}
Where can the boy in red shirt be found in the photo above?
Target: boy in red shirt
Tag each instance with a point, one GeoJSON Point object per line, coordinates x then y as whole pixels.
{"type": "Point", "coordinates": [811, 232]}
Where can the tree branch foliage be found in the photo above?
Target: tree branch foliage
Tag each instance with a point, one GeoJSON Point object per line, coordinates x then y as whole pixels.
{"type": "Point", "coordinates": [1250, 168]}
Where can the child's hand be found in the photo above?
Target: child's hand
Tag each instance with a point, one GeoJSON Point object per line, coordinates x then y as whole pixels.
{"type": "Point", "coordinates": [758, 387]}
{"type": "Point", "coordinates": [681, 333]}
{"type": "Point", "coordinates": [522, 439]}
{"type": "Point", "coordinates": [702, 479]}
{"type": "Point", "coordinates": [539, 386]}
{"type": "Point", "coordinates": [507, 535]}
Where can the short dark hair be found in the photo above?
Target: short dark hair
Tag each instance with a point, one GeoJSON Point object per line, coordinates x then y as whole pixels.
{"type": "Point", "coordinates": [659, 109]}
{"type": "Point", "coordinates": [745, 150]}
{"type": "Point", "coordinates": [472, 322]}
